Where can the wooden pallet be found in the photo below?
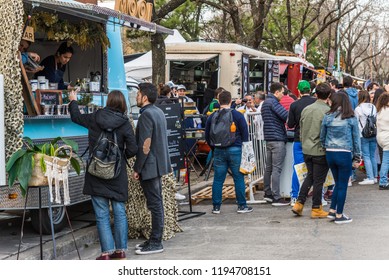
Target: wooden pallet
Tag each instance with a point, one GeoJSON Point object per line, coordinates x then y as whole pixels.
{"type": "Point", "coordinates": [206, 193]}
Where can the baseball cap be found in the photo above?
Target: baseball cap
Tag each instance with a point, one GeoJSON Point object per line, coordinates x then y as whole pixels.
{"type": "Point", "coordinates": [304, 86]}
{"type": "Point", "coordinates": [171, 84]}
{"type": "Point", "coordinates": [181, 87]}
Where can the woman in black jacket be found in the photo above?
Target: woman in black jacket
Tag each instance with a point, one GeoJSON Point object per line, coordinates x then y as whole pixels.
{"type": "Point", "coordinates": [106, 191]}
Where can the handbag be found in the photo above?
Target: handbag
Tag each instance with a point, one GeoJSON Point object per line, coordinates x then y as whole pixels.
{"type": "Point", "coordinates": [248, 162]}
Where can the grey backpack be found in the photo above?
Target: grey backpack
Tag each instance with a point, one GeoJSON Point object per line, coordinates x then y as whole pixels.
{"type": "Point", "coordinates": [223, 130]}
{"type": "Point", "coordinates": [105, 160]}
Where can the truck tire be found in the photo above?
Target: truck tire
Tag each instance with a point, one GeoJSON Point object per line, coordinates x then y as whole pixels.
{"type": "Point", "coordinates": [59, 219]}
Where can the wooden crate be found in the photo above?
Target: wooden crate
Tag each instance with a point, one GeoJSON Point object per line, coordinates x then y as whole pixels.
{"type": "Point", "coordinates": [206, 193]}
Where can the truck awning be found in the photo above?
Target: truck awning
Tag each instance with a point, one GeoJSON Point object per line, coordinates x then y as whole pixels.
{"type": "Point", "coordinates": [190, 56]}
{"type": "Point", "coordinates": [99, 14]}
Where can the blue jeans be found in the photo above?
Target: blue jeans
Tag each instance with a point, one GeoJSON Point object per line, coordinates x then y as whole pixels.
{"type": "Point", "coordinates": [225, 158]}
{"type": "Point", "coordinates": [153, 192]}
{"type": "Point", "coordinates": [368, 146]}
{"type": "Point", "coordinates": [341, 165]}
{"type": "Point", "coordinates": [110, 242]}
{"type": "Point", "coordinates": [298, 157]}
{"type": "Point", "coordinates": [384, 168]}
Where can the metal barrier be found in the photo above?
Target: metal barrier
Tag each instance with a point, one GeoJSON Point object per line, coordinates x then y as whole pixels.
{"type": "Point", "coordinates": [255, 125]}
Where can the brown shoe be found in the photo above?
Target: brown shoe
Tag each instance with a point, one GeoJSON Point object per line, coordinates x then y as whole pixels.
{"type": "Point", "coordinates": [298, 208]}
{"type": "Point", "coordinates": [317, 213]}
{"type": "Point", "coordinates": [103, 258]}
{"type": "Point", "coordinates": [120, 255]}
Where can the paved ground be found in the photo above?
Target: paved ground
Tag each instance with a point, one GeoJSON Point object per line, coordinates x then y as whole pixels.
{"type": "Point", "coordinates": [268, 233]}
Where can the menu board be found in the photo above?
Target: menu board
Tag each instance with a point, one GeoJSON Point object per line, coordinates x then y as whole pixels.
{"type": "Point", "coordinates": [174, 134]}
{"type": "Point", "coordinates": [49, 97]}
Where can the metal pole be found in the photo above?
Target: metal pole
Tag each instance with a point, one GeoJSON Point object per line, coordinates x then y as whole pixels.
{"type": "Point", "coordinates": [338, 43]}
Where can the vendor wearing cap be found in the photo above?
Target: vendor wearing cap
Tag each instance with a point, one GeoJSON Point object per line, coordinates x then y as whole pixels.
{"type": "Point", "coordinates": [27, 39]}
{"type": "Point", "coordinates": [294, 116]}
{"type": "Point", "coordinates": [55, 65]}
{"type": "Point", "coordinates": [181, 90]}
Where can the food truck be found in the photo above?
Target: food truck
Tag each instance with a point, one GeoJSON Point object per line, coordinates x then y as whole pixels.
{"type": "Point", "coordinates": [239, 69]}
{"type": "Point", "coordinates": [202, 65]}
{"type": "Point", "coordinates": [96, 66]}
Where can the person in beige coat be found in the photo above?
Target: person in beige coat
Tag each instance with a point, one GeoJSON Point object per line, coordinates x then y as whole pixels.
{"type": "Point", "coordinates": [383, 137]}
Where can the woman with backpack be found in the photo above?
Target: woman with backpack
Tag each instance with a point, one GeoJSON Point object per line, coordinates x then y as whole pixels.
{"type": "Point", "coordinates": [340, 137]}
{"type": "Point", "coordinates": [366, 114]}
{"type": "Point", "coordinates": [110, 121]}
{"type": "Point", "coordinates": [383, 137]}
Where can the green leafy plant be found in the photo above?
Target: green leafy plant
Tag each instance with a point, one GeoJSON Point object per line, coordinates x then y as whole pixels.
{"type": "Point", "coordinates": [21, 164]}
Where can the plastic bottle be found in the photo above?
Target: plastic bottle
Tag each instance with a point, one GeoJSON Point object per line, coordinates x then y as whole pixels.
{"type": "Point", "coordinates": [233, 127]}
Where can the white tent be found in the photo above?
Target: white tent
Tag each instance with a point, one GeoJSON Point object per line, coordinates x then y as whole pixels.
{"type": "Point", "coordinates": [141, 67]}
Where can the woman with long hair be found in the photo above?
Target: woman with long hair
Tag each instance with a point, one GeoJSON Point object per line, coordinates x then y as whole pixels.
{"type": "Point", "coordinates": [108, 193]}
{"type": "Point", "coordinates": [339, 135]}
{"type": "Point", "coordinates": [383, 137]}
{"type": "Point", "coordinates": [368, 145]}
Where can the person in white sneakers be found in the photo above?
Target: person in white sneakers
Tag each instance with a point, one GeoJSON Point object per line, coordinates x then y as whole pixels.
{"type": "Point", "coordinates": [368, 145]}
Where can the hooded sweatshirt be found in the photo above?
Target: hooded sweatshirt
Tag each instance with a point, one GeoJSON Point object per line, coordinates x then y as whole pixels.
{"type": "Point", "coordinates": [362, 111]}
{"type": "Point", "coordinates": [104, 119]}
{"type": "Point", "coordinates": [353, 96]}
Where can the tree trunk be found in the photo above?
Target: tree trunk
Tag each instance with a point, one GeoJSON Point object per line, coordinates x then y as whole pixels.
{"type": "Point", "coordinates": [158, 58]}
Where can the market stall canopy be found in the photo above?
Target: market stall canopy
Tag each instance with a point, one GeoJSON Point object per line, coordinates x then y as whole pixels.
{"type": "Point", "coordinates": [99, 14]}
{"type": "Point", "coordinates": [141, 67]}
{"type": "Point", "coordinates": [294, 59]}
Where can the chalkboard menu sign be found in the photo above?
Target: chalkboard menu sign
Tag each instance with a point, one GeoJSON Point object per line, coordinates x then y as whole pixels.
{"type": "Point", "coordinates": [174, 134]}
{"type": "Point", "coordinates": [49, 97]}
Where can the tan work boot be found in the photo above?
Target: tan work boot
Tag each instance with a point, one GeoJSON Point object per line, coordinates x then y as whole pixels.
{"type": "Point", "coordinates": [318, 213]}
{"type": "Point", "coordinates": [298, 208]}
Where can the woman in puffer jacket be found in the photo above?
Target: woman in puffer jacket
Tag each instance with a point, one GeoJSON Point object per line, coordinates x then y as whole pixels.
{"type": "Point", "coordinates": [368, 145]}
{"type": "Point", "coordinates": [383, 137]}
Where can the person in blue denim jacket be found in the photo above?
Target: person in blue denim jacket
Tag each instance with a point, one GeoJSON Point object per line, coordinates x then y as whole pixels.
{"type": "Point", "coordinates": [340, 137]}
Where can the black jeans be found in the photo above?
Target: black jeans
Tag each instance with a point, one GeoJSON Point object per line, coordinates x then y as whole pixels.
{"type": "Point", "coordinates": [317, 172]}
{"type": "Point", "coordinates": [153, 192]}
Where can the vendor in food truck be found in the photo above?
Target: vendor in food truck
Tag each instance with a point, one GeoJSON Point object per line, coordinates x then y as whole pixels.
{"type": "Point", "coordinates": [55, 65]}
{"type": "Point", "coordinates": [30, 60]}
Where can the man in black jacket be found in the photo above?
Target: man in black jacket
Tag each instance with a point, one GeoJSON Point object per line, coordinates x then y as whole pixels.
{"type": "Point", "coordinates": [152, 143]}
{"type": "Point", "coordinates": [294, 122]}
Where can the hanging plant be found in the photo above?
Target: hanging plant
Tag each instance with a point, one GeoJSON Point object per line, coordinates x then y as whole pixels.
{"type": "Point", "coordinates": [84, 33]}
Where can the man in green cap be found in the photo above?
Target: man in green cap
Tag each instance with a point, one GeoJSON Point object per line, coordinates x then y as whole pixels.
{"type": "Point", "coordinates": [294, 116]}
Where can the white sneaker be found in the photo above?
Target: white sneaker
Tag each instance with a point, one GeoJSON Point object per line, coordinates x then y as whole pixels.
{"type": "Point", "coordinates": [375, 181]}
{"type": "Point", "coordinates": [367, 182]}
{"type": "Point", "coordinates": [349, 184]}
{"type": "Point", "coordinates": [324, 202]}
{"type": "Point", "coordinates": [293, 201]}
{"type": "Point", "coordinates": [180, 196]}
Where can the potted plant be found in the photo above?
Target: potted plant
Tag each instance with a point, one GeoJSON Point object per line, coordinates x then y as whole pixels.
{"type": "Point", "coordinates": [84, 101]}
{"type": "Point", "coordinates": [22, 163]}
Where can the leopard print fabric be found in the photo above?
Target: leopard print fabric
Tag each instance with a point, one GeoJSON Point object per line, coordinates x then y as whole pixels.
{"type": "Point", "coordinates": [11, 28]}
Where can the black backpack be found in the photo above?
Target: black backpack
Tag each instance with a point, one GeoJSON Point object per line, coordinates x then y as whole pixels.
{"type": "Point", "coordinates": [105, 160]}
{"type": "Point", "coordinates": [370, 128]}
{"type": "Point", "coordinates": [223, 129]}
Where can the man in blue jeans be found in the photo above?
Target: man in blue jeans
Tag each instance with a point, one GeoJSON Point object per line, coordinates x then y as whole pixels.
{"type": "Point", "coordinates": [228, 157]}
{"type": "Point", "coordinates": [294, 122]}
